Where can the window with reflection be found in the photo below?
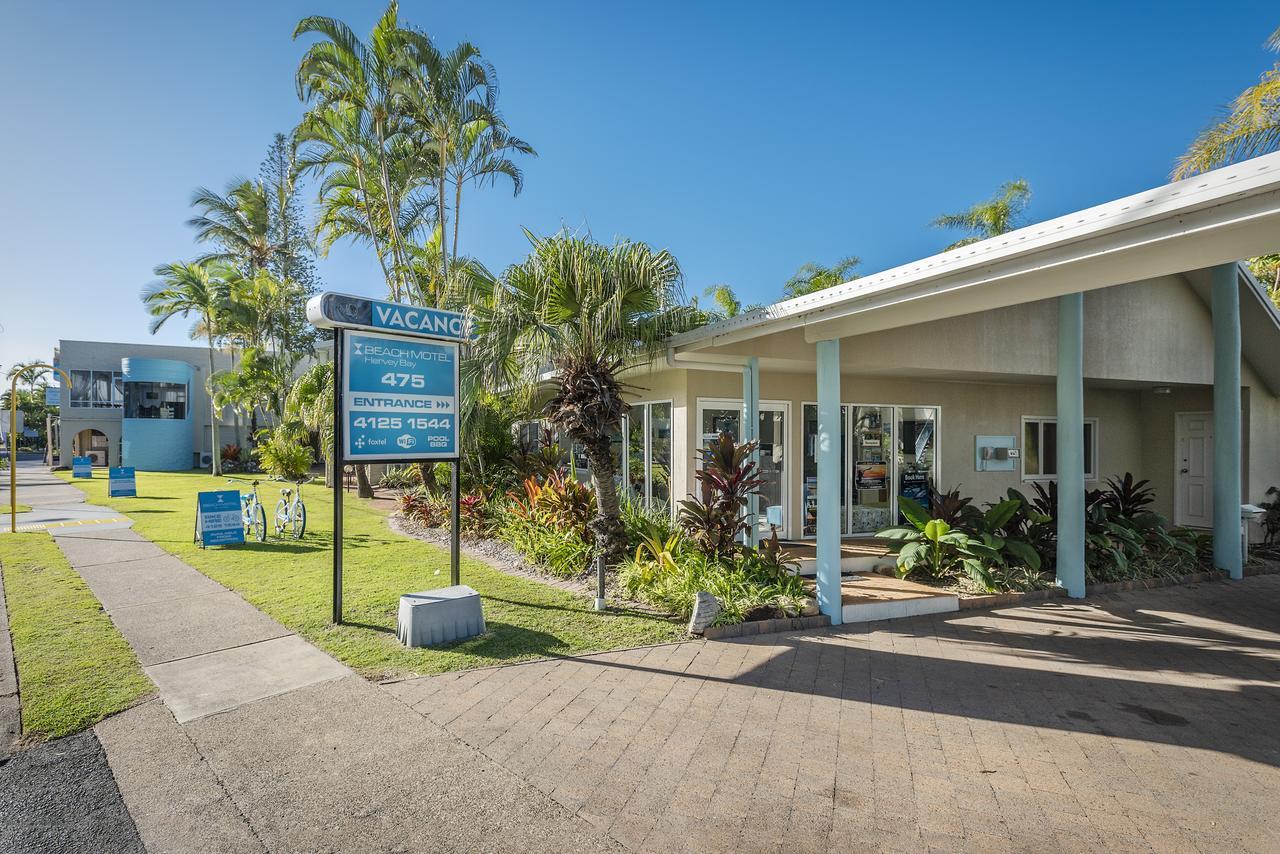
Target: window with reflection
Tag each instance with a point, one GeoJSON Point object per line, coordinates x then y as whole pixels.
{"type": "Point", "coordinates": [155, 400]}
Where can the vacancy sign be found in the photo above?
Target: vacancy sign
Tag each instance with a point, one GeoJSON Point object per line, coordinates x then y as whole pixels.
{"type": "Point", "coordinates": [399, 398]}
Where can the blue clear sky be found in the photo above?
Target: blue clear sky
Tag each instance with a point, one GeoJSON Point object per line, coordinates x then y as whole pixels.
{"type": "Point", "coordinates": [746, 138]}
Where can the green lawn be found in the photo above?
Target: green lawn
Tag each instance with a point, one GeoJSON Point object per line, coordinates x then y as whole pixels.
{"type": "Point", "coordinates": [291, 581]}
{"type": "Point", "coordinates": [74, 668]}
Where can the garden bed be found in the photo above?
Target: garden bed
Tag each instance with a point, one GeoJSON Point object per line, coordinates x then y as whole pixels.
{"type": "Point", "coordinates": [507, 559]}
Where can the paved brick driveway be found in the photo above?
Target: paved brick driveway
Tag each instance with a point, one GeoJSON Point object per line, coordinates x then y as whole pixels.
{"type": "Point", "coordinates": [1134, 722]}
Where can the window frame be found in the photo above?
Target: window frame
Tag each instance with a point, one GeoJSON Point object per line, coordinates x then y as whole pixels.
{"type": "Point", "coordinates": [1089, 476]}
{"type": "Point", "coordinates": [646, 463]}
{"type": "Point", "coordinates": [115, 389]}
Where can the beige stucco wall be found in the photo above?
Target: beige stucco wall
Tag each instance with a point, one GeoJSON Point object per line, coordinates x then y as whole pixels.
{"type": "Point", "coordinates": [1150, 331]}
{"type": "Point", "coordinates": [985, 371]}
{"type": "Point", "coordinates": [967, 409]}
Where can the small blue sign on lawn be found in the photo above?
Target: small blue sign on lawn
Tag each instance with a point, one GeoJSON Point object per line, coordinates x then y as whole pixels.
{"type": "Point", "coordinates": [122, 482]}
{"type": "Point", "coordinates": [218, 518]}
{"type": "Point", "coordinates": [82, 466]}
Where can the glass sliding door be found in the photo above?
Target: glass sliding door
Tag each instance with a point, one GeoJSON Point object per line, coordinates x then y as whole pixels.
{"type": "Point", "coordinates": [773, 465]}
{"type": "Point", "coordinates": [809, 499]}
{"type": "Point", "coordinates": [725, 416]}
{"type": "Point", "coordinates": [648, 454]}
{"type": "Point", "coordinates": [917, 456]}
{"type": "Point", "coordinates": [659, 434]}
{"type": "Point", "coordinates": [871, 438]}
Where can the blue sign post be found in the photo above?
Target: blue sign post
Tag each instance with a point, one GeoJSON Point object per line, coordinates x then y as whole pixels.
{"type": "Point", "coordinates": [82, 466]}
{"type": "Point", "coordinates": [399, 398]}
{"type": "Point", "coordinates": [218, 518]}
{"type": "Point", "coordinates": [122, 482]}
{"type": "Point", "coordinates": [395, 394]}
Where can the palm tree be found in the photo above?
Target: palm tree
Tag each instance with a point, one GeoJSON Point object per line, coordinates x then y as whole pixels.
{"type": "Point", "coordinates": [726, 301]}
{"type": "Point", "coordinates": [358, 88]}
{"type": "Point", "coordinates": [1250, 127]}
{"type": "Point", "coordinates": [997, 215]}
{"type": "Point", "coordinates": [813, 277]}
{"type": "Point", "coordinates": [449, 92]}
{"type": "Point", "coordinates": [587, 312]}
{"type": "Point", "coordinates": [482, 154]}
{"type": "Point", "coordinates": [239, 223]}
{"type": "Point", "coordinates": [198, 288]}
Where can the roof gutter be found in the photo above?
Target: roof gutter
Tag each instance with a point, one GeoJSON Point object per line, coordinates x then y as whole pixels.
{"type": "Point", "coordinates": [733, 364]}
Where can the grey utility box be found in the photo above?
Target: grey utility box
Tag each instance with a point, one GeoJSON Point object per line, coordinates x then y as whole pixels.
{"type": "Point", "coordinates": [437, 616]}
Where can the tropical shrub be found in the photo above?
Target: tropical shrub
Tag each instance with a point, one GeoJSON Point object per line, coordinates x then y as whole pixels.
{"type": "Point", "coordinates": [230, 453]}
{"type": "Point", "coordinates": [400, 477]}
{"type": "Point", "coordinates": [1124, 539]}
{"type": "Point", "coordinates": [639, 520]}
{"type": "Point", "coordinates": [281, 455]}
{"type": "Point", "coordinates": [561, 551]}
{"type": "Point", "coordinates": [557, 501]}
{"type": "Point", "coordinates": [669, 574]}
{"type": "Point", "coordinates": [935, 549]}
{"type": "Point", "coordinates": [425, 508]}
{"type": "Point", "coordinates": [715, 519]}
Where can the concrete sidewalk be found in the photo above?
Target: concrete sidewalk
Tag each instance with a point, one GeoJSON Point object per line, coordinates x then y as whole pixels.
{"type": "Point", "coordinates": [261, 742]}
{"type": "Point", "coordinates": [206, 649]}
{"type": "Point", "coordinates": [54, 504]}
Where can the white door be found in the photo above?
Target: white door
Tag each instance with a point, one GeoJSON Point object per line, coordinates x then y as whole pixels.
{"type": "Point", "coordinates": [1193, 458]}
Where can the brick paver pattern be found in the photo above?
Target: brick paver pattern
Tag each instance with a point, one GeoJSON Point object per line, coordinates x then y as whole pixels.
{"type": "Point", "coordinates": [1144, 721]}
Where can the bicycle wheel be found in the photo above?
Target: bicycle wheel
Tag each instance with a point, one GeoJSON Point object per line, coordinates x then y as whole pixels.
{"type": "Point", "coordinates": [282, 516]}
{"type": "Point", "coordinates": [259, 523]}
{"type": "Point", "coordinates": [299, 520]}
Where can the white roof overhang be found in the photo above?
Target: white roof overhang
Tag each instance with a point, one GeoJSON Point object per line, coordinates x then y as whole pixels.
{"type": "Point", "coordinates": [1210, 219]}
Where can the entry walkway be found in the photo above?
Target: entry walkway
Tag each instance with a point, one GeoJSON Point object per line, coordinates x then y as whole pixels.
{"type": "Point", "coordinates": [54, 505]}
{"type": "Point", "coordinates": [1135, 722]}
{"type": "Point", "coordinates": [206, 649]}
{"type": "Point", "coordinates": [261, 742]}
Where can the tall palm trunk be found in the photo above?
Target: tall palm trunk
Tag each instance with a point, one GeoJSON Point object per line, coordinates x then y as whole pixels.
{"type": "Point", "coordinates": [444, 264]}
{"type": "Point", "coordinates": [216, 465]}
{"type": "Point", "coordinates": [457, 215]}
{"type": "Point", "coordinates": [610, 536]}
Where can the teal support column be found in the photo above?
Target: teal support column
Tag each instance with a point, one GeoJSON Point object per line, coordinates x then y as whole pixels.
{"type": "Point", "coordinates": [751, 433]}
{"type": "Point", "coordinates": [1227, 429]}
{"type": "Point", "coordinates": [828, 460]}
{"type": "Point", "coordinates": [1070, 557]}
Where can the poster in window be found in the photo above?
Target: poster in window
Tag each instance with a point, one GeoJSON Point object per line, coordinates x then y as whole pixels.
{"type": "Point", "coordinates": [915, 485]}
{"type": "Point", "coordinates": [871, 475]}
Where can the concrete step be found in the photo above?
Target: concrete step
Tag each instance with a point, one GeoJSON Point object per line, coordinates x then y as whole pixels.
{"type": "Point", "coordinates": [867, 597]}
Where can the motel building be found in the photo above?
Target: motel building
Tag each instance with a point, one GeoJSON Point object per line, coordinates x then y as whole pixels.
{"type": "Point", "coordinates": [1127, 337]}
{"type": "Point", "coordinates": [142, 405]}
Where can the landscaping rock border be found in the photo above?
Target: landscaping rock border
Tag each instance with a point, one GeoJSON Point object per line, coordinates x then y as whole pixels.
{"type": "Point", "coordinates": [766, 627]}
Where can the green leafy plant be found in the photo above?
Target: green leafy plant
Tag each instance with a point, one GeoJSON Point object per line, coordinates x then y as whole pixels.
{"type": "Point", "coordinates": [281, 455]}
{"type": "Point", "coordinates": [400, 477]}
{"type": "Point", "coordinates": [1127, 496]}
{"type": "Point", "coordinates": [934, 549]}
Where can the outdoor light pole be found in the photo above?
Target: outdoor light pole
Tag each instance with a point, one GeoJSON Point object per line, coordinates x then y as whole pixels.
{"type": "Point", "coordinates": [13, 437]}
